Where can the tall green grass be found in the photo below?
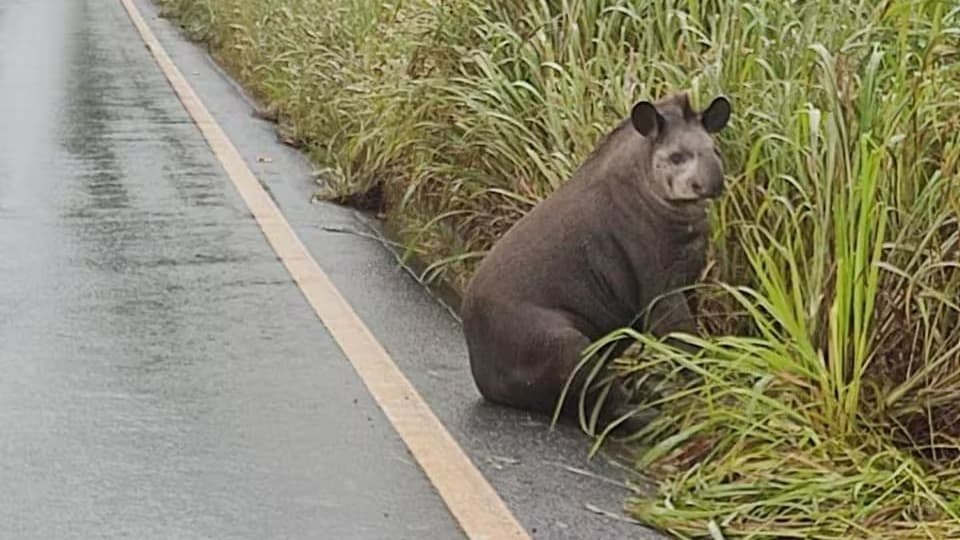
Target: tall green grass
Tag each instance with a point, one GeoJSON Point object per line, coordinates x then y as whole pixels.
{"type": "Point", "coordinates": [827, 404]}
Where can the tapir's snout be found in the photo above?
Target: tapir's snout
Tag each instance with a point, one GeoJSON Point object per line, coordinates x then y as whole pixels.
{"type": "Point", "coordinates": [710, 183]}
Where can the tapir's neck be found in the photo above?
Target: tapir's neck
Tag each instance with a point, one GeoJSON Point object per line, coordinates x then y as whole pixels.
{"type": "Point", "coordinates": [683, 223]}
{"type": "Point", "coordinates": [687, 223]}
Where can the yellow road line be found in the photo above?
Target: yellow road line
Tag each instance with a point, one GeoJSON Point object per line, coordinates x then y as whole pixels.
{"type": "Point", "coordinates": [472, 501]}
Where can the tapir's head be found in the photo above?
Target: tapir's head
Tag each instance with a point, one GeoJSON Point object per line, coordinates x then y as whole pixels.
{"type": "Point", "coordinates": [685, 165]}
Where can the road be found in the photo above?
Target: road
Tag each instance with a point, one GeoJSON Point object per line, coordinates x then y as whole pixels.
{"type": "Point", "coordinates": [161, 373]}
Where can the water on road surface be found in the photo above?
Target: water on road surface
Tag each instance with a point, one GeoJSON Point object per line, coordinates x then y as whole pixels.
{"type": "Point", "coordinates": [159, 368]}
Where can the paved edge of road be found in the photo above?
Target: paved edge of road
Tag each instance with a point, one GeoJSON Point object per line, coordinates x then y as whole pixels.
{"type": "Point", "coordinates": [471, 499]}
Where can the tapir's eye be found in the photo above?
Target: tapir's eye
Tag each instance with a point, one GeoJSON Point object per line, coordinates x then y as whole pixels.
{"type": "Point", "coordinates": [678, 157]}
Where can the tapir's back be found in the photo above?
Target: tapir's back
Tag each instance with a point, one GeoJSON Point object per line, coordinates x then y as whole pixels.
{"type": "Point", "coordinates": [547, 259]}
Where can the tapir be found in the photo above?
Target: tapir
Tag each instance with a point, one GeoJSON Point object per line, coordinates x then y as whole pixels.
{"type": "Point", "coordinates": [630, 226]}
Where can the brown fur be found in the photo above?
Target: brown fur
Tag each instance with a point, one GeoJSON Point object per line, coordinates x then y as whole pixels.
{"type": "Point", "coordinates": [585, 261]}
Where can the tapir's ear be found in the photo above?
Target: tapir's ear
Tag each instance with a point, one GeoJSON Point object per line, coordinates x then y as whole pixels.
{"type": "Point", "coordinates": [646, 119]}
{"type": "Point", "coordinates": [715, 116]}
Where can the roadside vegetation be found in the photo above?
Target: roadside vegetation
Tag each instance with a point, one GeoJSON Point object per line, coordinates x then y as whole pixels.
{"type": "Point", "coordinates": [827, 402]}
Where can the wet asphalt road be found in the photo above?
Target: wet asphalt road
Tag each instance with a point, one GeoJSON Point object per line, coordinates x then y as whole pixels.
{"type": "Point", "coordinates": [161, 376]}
